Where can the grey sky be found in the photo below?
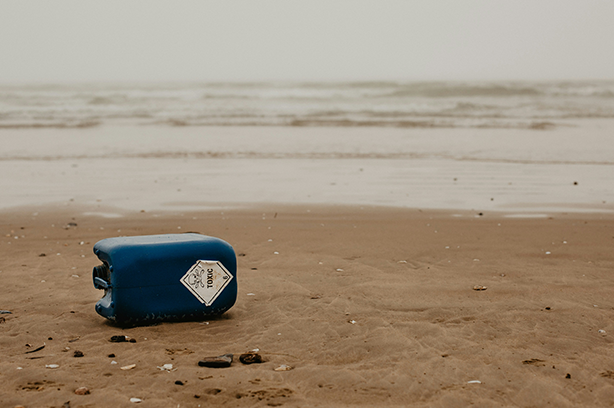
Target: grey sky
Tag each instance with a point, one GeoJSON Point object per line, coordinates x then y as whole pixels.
{"type": "Point", "coordinates": [116, 40]}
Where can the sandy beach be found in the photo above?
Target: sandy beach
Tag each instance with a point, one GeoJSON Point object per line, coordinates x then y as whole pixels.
{"type": "Point", "coordinates": [419, 195]}
{"type": "Point", "coordinates": [370, 306]}
{"type": "Point", "coordinates": [359, 251]}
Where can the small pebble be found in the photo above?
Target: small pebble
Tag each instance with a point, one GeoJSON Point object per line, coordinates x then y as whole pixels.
{"type": "Point", "coordinates": [216, 362]}
{"type": "Point", "coordinates": [78, 353]}
{"type": "Point", "coordinates": [135, 400]}
{"type": "Point", "coordinates": [602, 332]}
{"type": "Point", "coordinates": [474, 382]}
{"type": "Point", "coordinates": [479, 287]}
{"type": "Point", "coordinates": [128, 367]}
{"type": "Point", "coordinates": [82, 391]}
{"type": "Point", "coordinates": [178, 382]}
{"type": "Point", "coordinates": [52, 366]}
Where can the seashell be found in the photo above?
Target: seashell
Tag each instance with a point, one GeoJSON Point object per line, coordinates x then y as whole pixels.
{"type": "Point", "coordinates": [82, 391]}
{"type": "Point", "coordinates": [128, 367]}
{"type": "Point", "coordinates": [284, 367]}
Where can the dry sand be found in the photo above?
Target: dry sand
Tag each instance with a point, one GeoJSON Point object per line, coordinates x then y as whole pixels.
{"type": "Point", "coordinates": [371, 306]}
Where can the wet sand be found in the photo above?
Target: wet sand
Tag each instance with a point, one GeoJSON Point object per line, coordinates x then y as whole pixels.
{"type": "Point", "coordinates": [371, 306]}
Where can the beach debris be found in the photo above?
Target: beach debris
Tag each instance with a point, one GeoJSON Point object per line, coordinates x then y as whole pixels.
{"type": "Point", "coordinates": [5, 312]}
{"type": "Point", "coordinates": [479, 287]}
{"type": "Point", "coordinates": [474, 382]}
{"type": "Point", "coordinates": [608, 374]}
{"type": "Point", "coordinates": [121, 339]}
{"type": "Point", "coordinates": [36, 349]}
{"type": "Point", "coordinates": [251, 294]}
{"type": "Point", "coordinates": [534, 361]}
{"type": "Point", "coordinates": [222, 361]}
{"type": "Point", "coordinates": [602, 332]}
{"type": "Point", "coordinates": [128, 367]}
{"type": "Point", "coordinates": [316, 297]}
{"type": "Point", "coordinates": [183, 351]}
{"type": "Point", "coordinates": [82, 391]}
{"type": "Point", "coordinates": [111, 355]}
{"type": "Point", "coordinates": [568, 376]}
{"type": "Point", "coordinates": [113, 362]}
{"type": "Point", "coordinates": [352, 321]}
{"type": "Point", "coordinates": [250, 358]}
{"type": "Point", "coordinates": [52, 366]}
{"type": "Point", "coordinates": [284, 367]}
{"type": "Point", "coordinates": [167, 367]}
{"type": "Point", "coordinates": [74, 339]}
{"type": "Point", "coordinates": [78, 353]}
{"type": "Point", "coordinates": [135, 400]}
{"type": "Point", "coordinates": [179, 382]}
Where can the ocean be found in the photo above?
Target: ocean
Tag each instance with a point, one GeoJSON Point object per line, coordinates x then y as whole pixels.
{"type": "Point", "coordinates": [525, 105]}
{"type": "Point", "coordinates": [513, 147]}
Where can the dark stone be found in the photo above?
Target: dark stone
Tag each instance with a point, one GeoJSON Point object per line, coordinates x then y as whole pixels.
{"type": "Point", "coordinates": [118, 339]}
{"type": "Point", "coordinates": [178, 382]}
{"type": "Point", "coordinates": [216, 362]}
{"type": "Point", "coordinates": [78, 353]}
{"type": "Point", "coordinates": [111, 355]}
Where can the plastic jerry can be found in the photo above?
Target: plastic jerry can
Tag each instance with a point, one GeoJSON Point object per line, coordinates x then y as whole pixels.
{"type": "Point", "coordinates": [170, 277]}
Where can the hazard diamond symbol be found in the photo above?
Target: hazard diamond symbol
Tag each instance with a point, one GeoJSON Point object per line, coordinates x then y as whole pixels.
{"type": "Point", "coordinates": [206, 280]}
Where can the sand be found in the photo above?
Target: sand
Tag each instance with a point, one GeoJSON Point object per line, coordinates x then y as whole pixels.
{"type": "Point", "coordinates": [371, 306]}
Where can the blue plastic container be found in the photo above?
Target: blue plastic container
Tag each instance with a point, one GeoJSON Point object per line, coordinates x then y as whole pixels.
{"type": "Point", "coordinates": [171, 277]}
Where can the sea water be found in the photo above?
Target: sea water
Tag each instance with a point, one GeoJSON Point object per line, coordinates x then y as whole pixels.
{"type": "Point", "coordinates": [496, 146]}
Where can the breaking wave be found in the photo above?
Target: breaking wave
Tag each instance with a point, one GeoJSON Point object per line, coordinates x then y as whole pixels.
{"type": "Point", "coordinates": [531, 105]}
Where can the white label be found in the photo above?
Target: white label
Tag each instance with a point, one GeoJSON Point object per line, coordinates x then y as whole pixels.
{"type": "Point", "coordinates": [206, 280]}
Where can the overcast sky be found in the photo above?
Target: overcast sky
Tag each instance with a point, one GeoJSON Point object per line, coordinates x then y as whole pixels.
{"type": "Point", "coordinates": [153, 40]}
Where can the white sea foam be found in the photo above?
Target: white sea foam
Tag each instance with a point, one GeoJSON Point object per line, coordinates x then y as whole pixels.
{"type": "Point", "coordinates": [533, 105]}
